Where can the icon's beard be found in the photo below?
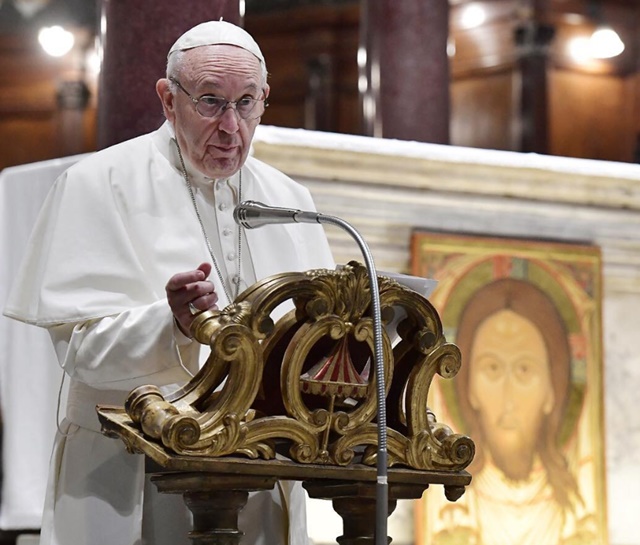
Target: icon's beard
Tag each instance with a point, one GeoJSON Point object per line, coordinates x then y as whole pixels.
{"type": "Point", "coordinates": [512, 453]}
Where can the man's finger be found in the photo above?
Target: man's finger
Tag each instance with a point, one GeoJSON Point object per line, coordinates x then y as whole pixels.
{"type": "Point", "coordinates": [180, 280]}
{"type": "Point", "coordinates": [205, 268]}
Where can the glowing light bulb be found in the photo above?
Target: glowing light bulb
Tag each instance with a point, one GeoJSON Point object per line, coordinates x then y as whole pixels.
{"type": "Point", "coordinates": [55, 40]}
{"type": "Point", "coordinates": [473, 16]}
{"type": "Point", "coordinates": [579, 49]}
{"type": "Point", "coordinates": [605, 43]}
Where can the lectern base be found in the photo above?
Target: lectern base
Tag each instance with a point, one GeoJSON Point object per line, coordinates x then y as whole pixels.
{"type": "Point", "coordinates": [215, 501]}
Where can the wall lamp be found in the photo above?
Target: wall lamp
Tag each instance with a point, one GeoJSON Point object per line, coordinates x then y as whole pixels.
{"type": "Point", "coordinates": [56, 40]}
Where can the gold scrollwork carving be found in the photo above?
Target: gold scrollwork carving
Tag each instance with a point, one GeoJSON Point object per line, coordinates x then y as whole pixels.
{"type": "Point", "coordinates": [304, 385]}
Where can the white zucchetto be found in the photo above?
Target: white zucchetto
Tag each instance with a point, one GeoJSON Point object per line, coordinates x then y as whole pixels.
{"type": "Point", "coordinates": [215, 33]}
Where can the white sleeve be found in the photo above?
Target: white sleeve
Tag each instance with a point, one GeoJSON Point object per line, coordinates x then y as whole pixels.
{"type": "Point", "coordinates": [139, 346]}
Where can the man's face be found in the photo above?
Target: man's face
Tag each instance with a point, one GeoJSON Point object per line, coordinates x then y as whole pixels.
{"type": "Point", "coordinates": [217, 147]}
{"type": "Point", "coordinates": [510, 387]}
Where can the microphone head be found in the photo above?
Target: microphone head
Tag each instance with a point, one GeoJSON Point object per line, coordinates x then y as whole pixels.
{"type": "Point", "coordinates": [252, 214]}
{"type": "Point", "coordinates": [247, 210]}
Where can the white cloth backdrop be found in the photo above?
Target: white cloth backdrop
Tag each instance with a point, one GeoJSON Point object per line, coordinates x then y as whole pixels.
{"type": "Point", "coordinates": [29, 372]}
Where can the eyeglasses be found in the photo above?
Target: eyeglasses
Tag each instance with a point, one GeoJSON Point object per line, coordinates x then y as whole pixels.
{"type": "Point", "coordinates": [213, 106]}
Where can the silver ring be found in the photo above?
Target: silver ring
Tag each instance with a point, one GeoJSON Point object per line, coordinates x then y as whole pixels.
{"type": "Point", "coordinates": [193, 310]}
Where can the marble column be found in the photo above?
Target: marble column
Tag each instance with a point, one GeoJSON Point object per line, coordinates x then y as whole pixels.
{"type": "Point", "coordinates": [404, 69]}
{"type": "Point", "coordinates": [135, 38]}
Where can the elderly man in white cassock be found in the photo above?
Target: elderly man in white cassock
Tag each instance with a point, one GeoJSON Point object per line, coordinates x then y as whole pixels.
{"type": "Point", "coordinates": [131, 242]}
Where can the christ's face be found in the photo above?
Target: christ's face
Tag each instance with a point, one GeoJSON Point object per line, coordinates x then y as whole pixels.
{"type": "Point", "coordinates": [510, 388]}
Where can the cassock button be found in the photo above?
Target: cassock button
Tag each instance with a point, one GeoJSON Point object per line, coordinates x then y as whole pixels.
{"type": "Point", "coordinates": [227, 231]}
{"type": "Point", "coordinates": [231, 256]}
{"type": "Point", "coordinates": [223, 206]}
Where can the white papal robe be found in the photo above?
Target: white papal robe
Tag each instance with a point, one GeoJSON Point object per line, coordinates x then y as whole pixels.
{"type": "Point", "coordinates": [114, 228]}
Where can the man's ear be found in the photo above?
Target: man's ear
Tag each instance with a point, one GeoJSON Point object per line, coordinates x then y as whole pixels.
{"type": "Point", "coordinates": [167, 98]}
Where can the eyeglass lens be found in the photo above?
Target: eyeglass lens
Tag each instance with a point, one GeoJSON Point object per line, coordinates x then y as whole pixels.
{"type": "Point", "coordinates": [211, 106]}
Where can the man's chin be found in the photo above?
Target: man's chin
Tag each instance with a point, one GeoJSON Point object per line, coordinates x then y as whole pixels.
{"type": "Point", "coordinates": [222, 168]}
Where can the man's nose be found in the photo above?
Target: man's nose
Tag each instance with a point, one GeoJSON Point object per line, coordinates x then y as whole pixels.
{"type": "Point", "coordinates": [229, 120]}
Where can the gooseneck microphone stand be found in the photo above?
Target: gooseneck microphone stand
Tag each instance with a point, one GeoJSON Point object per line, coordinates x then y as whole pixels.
{"type": "Point", "coordinates": [252, 214]}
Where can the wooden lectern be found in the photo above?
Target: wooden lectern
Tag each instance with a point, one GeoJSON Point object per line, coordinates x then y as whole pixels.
{"type": "Point", "coordinates": [296, 400]}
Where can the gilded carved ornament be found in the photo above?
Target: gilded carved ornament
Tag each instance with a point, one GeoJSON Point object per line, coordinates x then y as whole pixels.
{"type": "Point", "coordinates": [303, 386]}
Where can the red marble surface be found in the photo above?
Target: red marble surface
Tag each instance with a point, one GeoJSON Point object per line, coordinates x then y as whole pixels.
{"type": "Point", "coordinates": [414, 88]}
{"type": "Point", "coordinates": [136, 37]}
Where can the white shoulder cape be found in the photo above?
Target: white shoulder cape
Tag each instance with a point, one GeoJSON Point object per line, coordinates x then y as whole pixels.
{"type": "Point", "coordinates": [117, 225]}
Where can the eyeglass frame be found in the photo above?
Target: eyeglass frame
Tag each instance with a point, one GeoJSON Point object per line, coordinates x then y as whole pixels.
{"type": "Point", "coordinates": [224, 108]}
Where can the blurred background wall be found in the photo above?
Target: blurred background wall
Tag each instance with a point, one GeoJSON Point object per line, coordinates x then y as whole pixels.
{"type": "Point", "coordinates": [522, 75]}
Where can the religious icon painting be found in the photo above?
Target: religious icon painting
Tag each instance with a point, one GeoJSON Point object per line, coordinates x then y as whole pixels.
{"type": "Point", "coordinates": [526, 316]}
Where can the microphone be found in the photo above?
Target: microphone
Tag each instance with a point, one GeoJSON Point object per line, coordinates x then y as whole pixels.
{"type": "Point", "coordinates": [252, 214]}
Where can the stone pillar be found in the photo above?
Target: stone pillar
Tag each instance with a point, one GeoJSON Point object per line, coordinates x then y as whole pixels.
{"type": "Point", "coordinates": [406, 69]}
{"type": "Point", "coordinates": [135, 39]}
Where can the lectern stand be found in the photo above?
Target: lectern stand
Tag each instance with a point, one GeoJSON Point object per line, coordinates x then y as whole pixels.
{"type": "Point", "coordinates": [302, 388]}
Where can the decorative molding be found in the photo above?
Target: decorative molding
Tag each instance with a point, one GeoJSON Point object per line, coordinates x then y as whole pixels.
{"type": "Point", "coordinates": [387, 188]}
